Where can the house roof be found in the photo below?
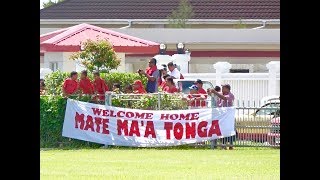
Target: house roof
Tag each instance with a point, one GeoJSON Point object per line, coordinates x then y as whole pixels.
{"type": "Point", "coordinates": [69, 40]}
{"type": "Point", "coordinates": [160, 9]}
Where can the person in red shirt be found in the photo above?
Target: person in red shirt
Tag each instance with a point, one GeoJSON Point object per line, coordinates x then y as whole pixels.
{"type": "Point", "coordinates": [170, 86]}
{"type": "Point", "coordinates": [195, 99]}
{"type": "Point", "coordinates": [164, 83]}
{"type": "Point", "coordinates": [100, 86]}
{"type": "Point", "coordinates": [85, 85]}
{"type": "Point", "coordinates": [70, 85]}
{"type": "Point", "coordinates": [199, 84]}
{"type": "Point", "coordinates": [138, 87]}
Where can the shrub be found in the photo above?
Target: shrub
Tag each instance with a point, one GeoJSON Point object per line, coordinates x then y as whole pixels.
{"type": "Point", "coordinates": [54, 82]}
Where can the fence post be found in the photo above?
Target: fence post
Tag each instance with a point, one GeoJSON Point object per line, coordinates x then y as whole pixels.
{"type": "Point", "coordinates": [221, 67]}
{"type": "Point", "coordinates": [274, 68]}
{"type": "Point", "coordinates": [159, 100]}
{"type": "Point", "coordinates": [108, 102]}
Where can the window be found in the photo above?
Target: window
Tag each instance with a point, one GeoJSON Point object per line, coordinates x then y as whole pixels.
{"type": "Point", "coordinates": [54, 66]}
{"type": "Point", "coordinates": [269, 109]}
{"type": "Point", "coordinates": [239, 70]}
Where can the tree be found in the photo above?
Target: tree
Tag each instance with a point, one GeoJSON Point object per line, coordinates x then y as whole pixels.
{"type": "Point", "coordinates": [50, 3]}
{"type": "Point", "coordinates": [97, 56]}
{"type": "Point", "coordinates": [180, 16]}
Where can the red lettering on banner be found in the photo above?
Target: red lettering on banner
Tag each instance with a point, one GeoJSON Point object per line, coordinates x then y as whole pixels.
{"type": "Point", "coordinates": [89, 124]}
{"type": "Point", "coordinates": [122, 126]}
{"type": "Point", "coordinates": [129, 114]}
{"type": "Point", "coordinates": [202, 129]}
{"type": "Point", "coordinates": [140, 116]}
{"type": "Point", "coordinates": [112, 114]}
{"type": "Point", "coordinates": [214, 129]}
{"type": "Point", "coordinates": [150, 130]}
{"type": "Point", "coordinates": [184, 117]}
{"type": "Point", "coordinates": [79, 119]}
{"type": "Point", "coordinates": [97, 120]}
{"type": "Point", "coordinates": [190, 130]}
{"type": "Point", "coordinates": [188, 116]}
{"type": "Point", "coordinates": [105, 126]}
{"type": "Point", "coordinates": [149, 116]}
{"type": "Point", "coordinates": [105, 113]}
{"type": "Point", "coordinates": [96, 111]}
{"type": "Point", "coordinates": [168, 127]}
{"type": "Point", "coordinates": [174, 116]}
{"type": "Point", "coordinates": [120, 114]}
{"type": "Point", "coordinates": [178, 131]}
{"type": "Point", "coordinates": [164, 117]}
{"type": "Point", "coordinates": [194, 116]}
{"type": "Point", "coordinates": [134, 128]}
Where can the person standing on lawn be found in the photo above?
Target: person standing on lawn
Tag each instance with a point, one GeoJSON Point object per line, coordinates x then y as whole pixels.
{"type": "Point", "coordinates": [225, 99]}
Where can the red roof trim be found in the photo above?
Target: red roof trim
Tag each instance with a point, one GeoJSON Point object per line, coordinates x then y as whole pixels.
{"type": "Point", "coordinates": [55, 41]}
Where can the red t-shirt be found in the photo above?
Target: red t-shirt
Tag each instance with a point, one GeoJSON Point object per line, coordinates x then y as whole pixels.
{"type": "Point", "coordinates": [163, 85]}
{"type": "Point", "coordinates": [86, 86]}
{"type": "Point", "coordinates": [70, 86]}
{"type": "Point", "coordinates": [196, 103]}
{"type": "Point", "coordinates": [173, 89]}
{"type": "Point", "coordinates": [98, 85]}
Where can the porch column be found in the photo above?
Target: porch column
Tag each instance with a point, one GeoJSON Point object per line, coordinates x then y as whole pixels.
{"type": "Point", "coordinates": [182, 60]}
{"type": "Point", "coordinates": [274, 68]}
{"type": "Point", "coordinates": [221, 67]}
{"type": "Point", "coordinates": [122, 66]}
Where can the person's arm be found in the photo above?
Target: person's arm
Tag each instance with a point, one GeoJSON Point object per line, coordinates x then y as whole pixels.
{"type": "Point", "coordinates": [175, 74]}
{"type": "Point", "coordinates": [219, 95]}
{"type": "Point", "coordinates": [150, 78]}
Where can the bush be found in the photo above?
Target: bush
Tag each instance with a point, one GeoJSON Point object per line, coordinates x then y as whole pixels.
{"type": "Point", "coordinates": [52, 111]}
{"type": "Point", "coordinates": [55, 80]}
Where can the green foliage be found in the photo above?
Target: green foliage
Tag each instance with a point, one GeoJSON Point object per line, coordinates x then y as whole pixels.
{"type": "Point", "coordinates": [180, 16]}
{"type": "Point", "coordinates": [52, 111]}
{"type": "Point", "coordinates": [97, 56]}
{"type": "Point", "coordinates": [50, 3]}
{"type": "Point", "coordinates": [150, 101]}
{"type": "Point", "coordinates": [54, 82]}
{"type": "Point", "coordinates": [123, 79]}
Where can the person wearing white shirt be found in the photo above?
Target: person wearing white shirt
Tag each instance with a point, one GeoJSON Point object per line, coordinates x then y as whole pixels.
{"type": "Point", "coordinates": [173, 71]}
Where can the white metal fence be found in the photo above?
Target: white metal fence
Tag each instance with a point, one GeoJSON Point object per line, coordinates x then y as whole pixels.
{"type": "Point", "coordinates": [247, 88]}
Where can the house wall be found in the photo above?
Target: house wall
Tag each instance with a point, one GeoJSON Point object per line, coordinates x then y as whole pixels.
{"type": "Point", "coordinates": [62, 58]}
{"type": "Point", "coordinates": [41, 61]}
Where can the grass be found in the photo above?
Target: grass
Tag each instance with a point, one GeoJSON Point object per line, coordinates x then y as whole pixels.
{"type": "Point", "coordinates": [142, 163]}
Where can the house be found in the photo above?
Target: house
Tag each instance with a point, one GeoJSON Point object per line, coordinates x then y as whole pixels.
{"type": "Point", "coordinates": [57, 47]}
{"type": "Point", "coordinates": [213, 34]}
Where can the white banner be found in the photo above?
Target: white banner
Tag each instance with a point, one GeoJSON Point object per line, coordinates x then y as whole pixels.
{"type": "Point", "coordinates": [145, 128]}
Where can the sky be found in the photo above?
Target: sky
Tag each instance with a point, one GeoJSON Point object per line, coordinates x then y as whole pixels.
{"type": "Point", "coordinates": [41, 1]}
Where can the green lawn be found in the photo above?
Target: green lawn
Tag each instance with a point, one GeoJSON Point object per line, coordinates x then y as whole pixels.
{"type": "Point", "coordinates": [242, 163]}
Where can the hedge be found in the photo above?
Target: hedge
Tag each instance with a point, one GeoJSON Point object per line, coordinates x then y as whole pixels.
{"type": "Point", "coordinates": [52, 111]}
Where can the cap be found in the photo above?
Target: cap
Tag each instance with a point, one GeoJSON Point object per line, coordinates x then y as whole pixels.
{"type": "Point", "coordinates": [226, 85]}
{"type": "Point", "coordinates": [198, 81]}
{"type": "Point", "coordinates": [195, 87]}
